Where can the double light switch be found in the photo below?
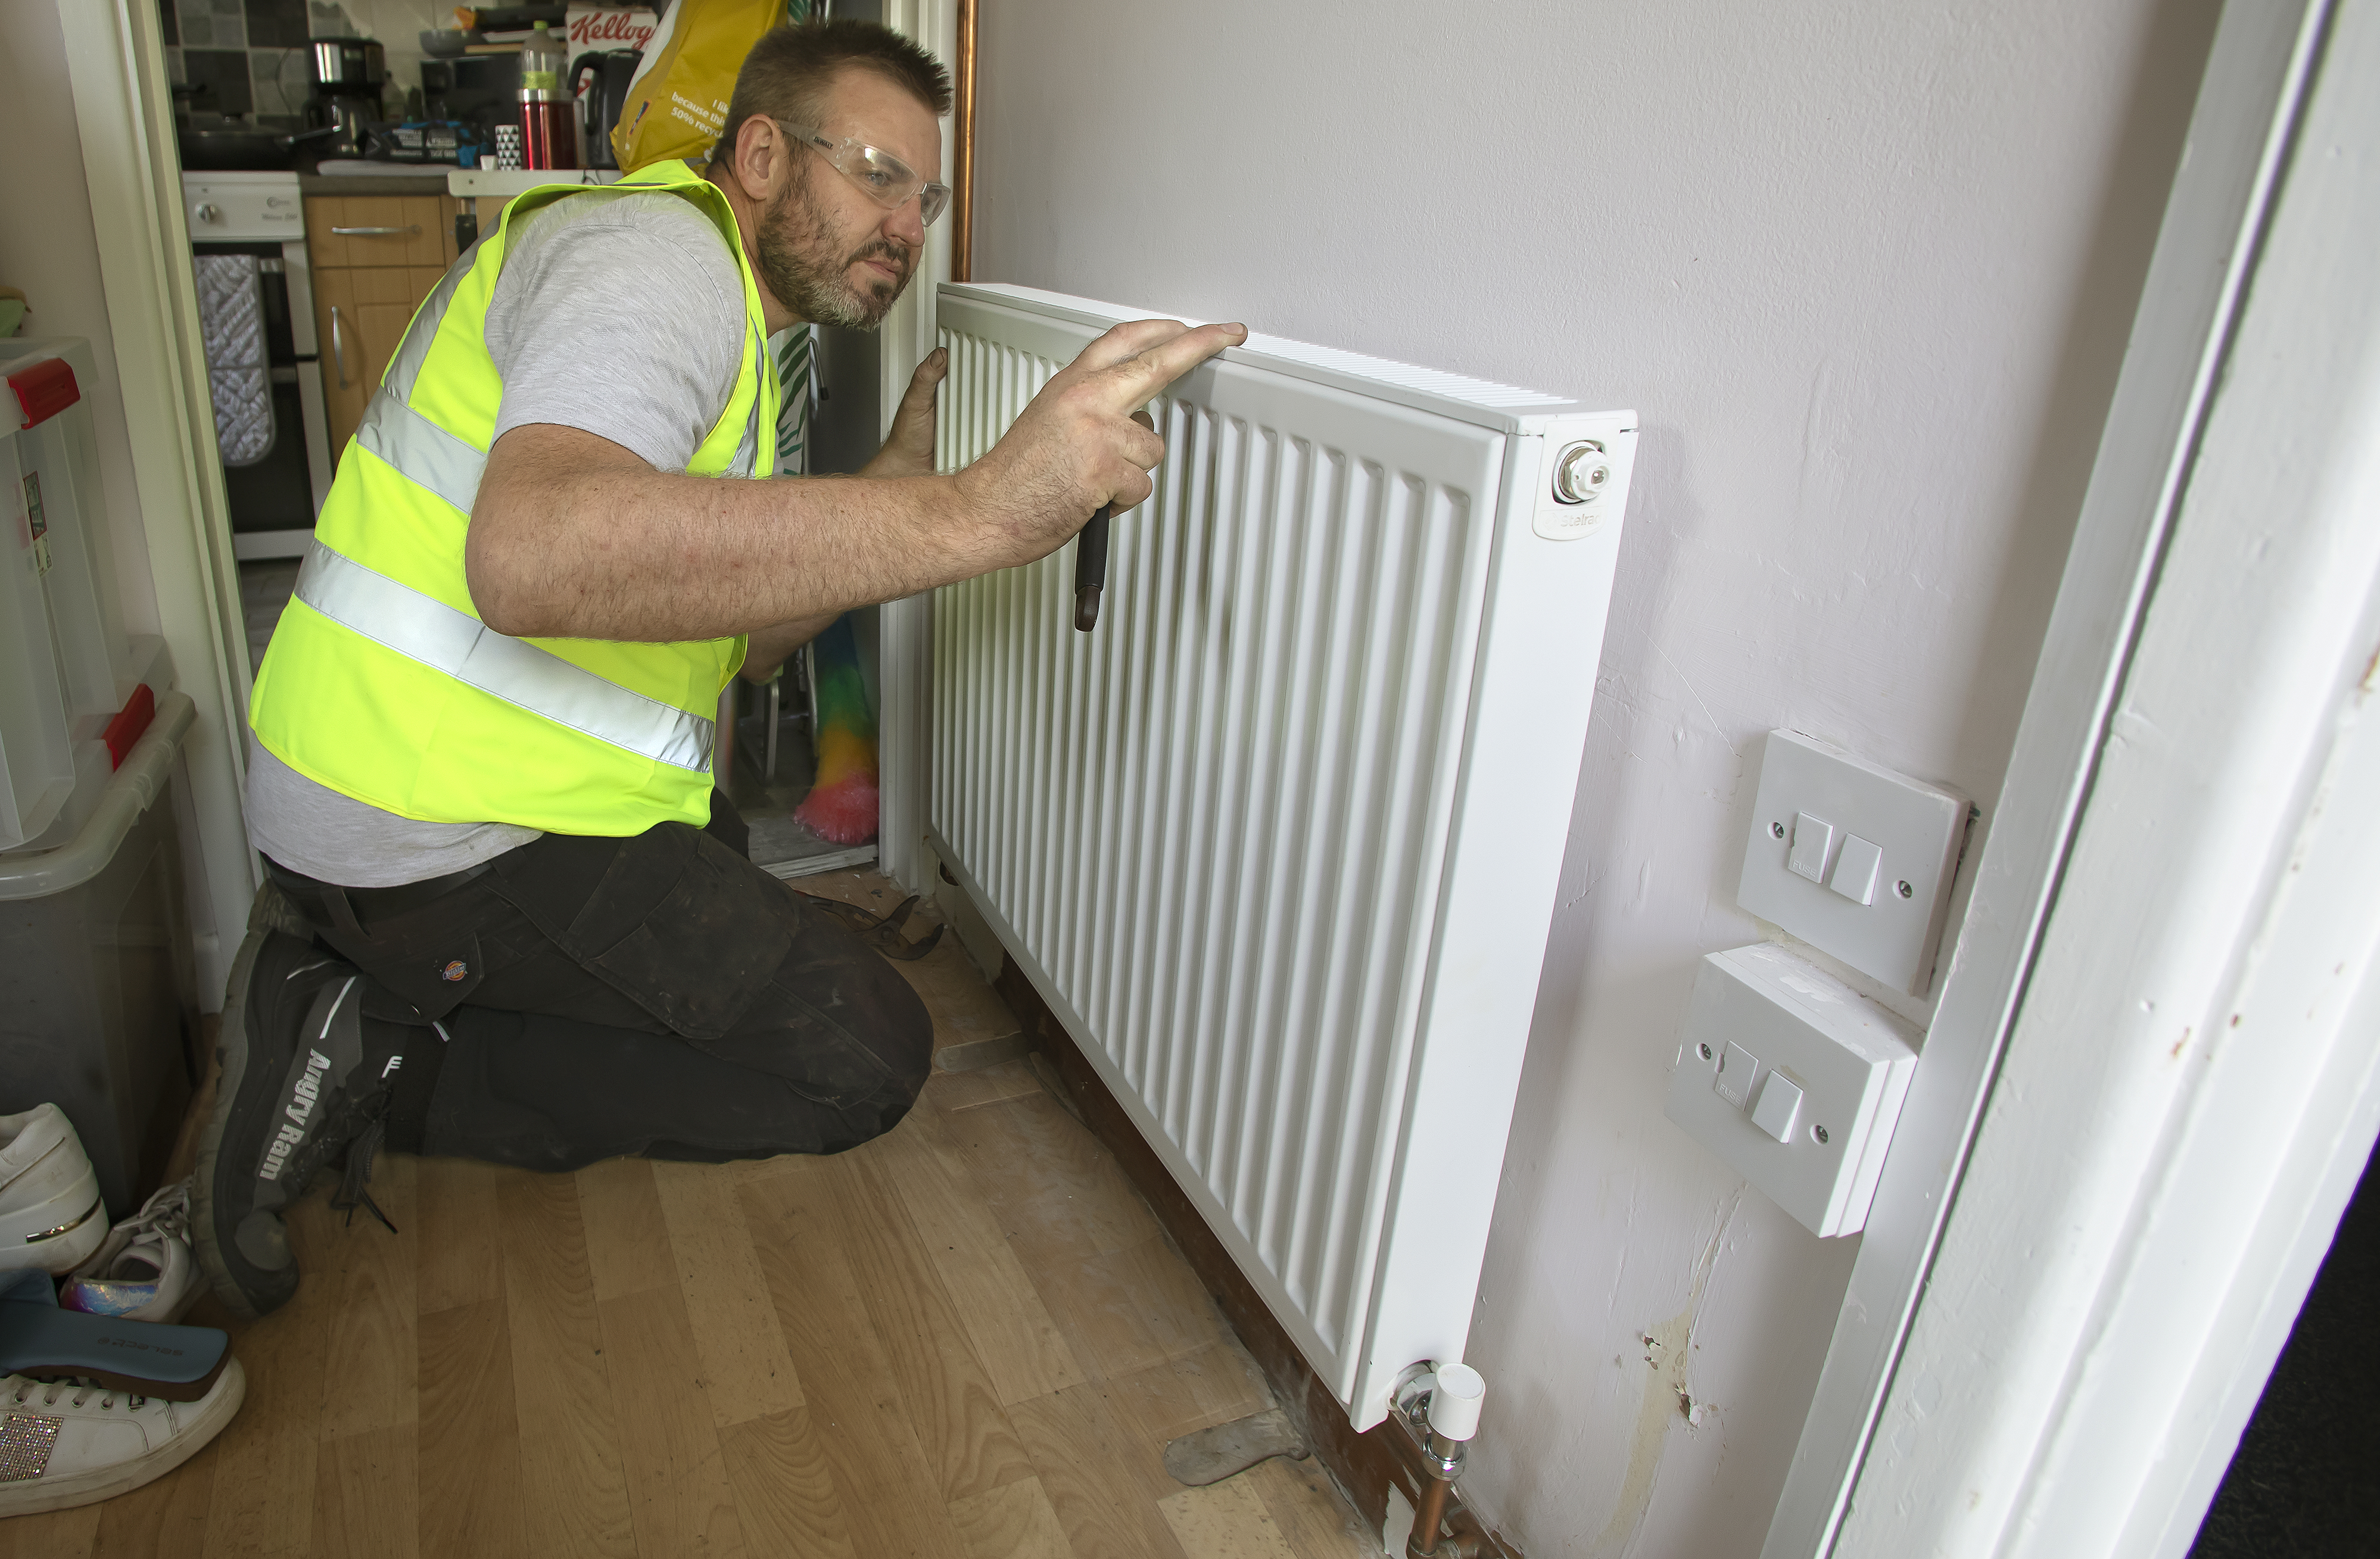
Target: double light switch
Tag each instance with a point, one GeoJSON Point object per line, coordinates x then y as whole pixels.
{"type": "Point", "coordinates": [1854, 865]}
{"type": "Point", "coordinates": [1851, 858]}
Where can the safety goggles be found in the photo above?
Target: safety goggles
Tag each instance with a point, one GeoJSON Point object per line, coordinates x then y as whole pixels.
{"type": "Point", "coordinates": [887, 181]}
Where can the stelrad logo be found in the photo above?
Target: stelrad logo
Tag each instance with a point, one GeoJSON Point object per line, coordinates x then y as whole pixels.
{"type": "Point", "coordinates": [303, 1096]}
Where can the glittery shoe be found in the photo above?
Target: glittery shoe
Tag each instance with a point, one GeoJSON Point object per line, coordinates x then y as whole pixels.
{"type": "Point", "coordinates": [64, 1444]}
{"type": "Point", "coordinates": [143, 1271]}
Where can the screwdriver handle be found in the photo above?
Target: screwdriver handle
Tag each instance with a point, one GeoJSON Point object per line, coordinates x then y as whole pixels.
{"type": "Point", "coordinates": [1091, 569]}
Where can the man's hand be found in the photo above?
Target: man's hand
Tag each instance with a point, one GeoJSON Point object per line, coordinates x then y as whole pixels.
{"type": "Point", "coordinates": [909, 449]}
{"type": "Point", "coordinates": [1078, 446]}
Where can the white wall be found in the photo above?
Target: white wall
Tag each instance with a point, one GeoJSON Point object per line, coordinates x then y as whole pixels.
{"type": "Point", "coordinates": [1865, 269]}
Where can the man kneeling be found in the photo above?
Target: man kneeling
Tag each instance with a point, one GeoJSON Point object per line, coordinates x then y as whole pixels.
{"type": "Point", "coordinates": [508, 918]}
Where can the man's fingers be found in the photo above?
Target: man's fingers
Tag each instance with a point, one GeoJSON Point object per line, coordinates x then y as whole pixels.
{"type": "Point", "coordinates": [1128, 340]}
{"type": "Point", "coordinates": [931, 372]}
{"type": "Point", "coordinates": [1131, 490]}
{"type": "Point", "coordinates": [1167, 360]}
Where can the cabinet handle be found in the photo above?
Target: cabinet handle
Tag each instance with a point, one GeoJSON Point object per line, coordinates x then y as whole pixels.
{"type": "Point", "coordinates": [376, 232]}
{"type": "Point", "coordinates": [338, 349]}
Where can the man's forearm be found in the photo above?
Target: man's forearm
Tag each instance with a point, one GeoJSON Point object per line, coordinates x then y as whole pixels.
{"type": "Point", "coordinates": [573, 537]}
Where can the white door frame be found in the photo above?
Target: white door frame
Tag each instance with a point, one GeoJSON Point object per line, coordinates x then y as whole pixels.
{"type": "Point", "coordinates": [2066, 1303]}
{"type": "Point", "coordinates": [116, 61]}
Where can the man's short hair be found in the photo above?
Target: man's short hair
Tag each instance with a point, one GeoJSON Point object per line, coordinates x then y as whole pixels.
{"type": "Point", "coordinates": [788, 73]}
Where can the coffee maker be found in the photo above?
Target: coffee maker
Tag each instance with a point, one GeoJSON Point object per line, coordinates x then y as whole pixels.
{"type": "Point", "coordinates": [348, 73]}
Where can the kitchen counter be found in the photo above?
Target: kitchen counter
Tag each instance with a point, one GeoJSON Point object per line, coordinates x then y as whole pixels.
{"type": "Point", "coordinates": [427, 178]}
{"type": "Point", "coordinates": [443, 178]}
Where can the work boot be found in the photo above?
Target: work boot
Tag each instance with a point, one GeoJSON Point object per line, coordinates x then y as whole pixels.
{"type": "Point", "coordinates": [306, 1082]}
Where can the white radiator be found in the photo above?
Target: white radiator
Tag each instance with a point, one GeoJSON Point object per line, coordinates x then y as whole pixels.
{"type": "Point", "coordinates": [1277, 840]}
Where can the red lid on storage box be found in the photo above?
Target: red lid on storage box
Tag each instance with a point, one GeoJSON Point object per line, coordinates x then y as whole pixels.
{"type": "Point", "coordinates": [43, 390]}
{"type": "Point", "coordinates": [128, 723]}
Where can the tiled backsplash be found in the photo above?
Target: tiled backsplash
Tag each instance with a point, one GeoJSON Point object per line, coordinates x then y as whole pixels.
{"type": "Point", "coordinates": [249, 55]}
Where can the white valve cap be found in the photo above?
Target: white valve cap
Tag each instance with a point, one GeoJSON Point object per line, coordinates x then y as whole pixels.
{"type": "Point", "coordinates": [1454, 1401]}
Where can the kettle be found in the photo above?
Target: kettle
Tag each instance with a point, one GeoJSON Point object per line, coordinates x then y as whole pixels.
{"type": "Point", "coordinates": [601, 78]}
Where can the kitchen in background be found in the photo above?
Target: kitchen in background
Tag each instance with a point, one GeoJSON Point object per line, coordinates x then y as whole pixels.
{"type": "Point", "coordinates": [316, 141]}
{"type": "Point", "coordinates": [248, 56]}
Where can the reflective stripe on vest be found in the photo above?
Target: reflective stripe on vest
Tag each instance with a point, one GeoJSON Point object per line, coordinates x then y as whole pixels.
{"type": "Point", "coordinates": [437, 636]}
{"type": "Point", "coordinates": [383, 684]}
{"type": "Point", "coordinates": [468, 650]}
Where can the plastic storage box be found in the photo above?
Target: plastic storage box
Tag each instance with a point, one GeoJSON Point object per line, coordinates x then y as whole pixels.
{"type": "Point", "coordinates": [98, 990]}
{"type": "Point", "coordinates": [97, 1008]}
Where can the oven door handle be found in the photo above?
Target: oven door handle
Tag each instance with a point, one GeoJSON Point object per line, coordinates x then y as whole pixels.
{"type": "Point", "coordinates": [338, 347]}
{"type": "Point", "coordinates": [377, 232]}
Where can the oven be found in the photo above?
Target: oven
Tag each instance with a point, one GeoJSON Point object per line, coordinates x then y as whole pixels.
{"type": "Point", "coordinates": [256, 308]}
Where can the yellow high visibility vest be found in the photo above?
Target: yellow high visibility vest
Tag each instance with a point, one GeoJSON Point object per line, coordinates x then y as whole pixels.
{"type": "Point", "coordinates": [382, 684]}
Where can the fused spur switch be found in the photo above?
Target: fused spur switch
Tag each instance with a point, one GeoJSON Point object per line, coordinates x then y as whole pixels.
{"type": "Point", "coordinates": [1737, 1068]}
{"type": "Point", "coordinates": [1813, 841]}
{"type": "Point", "coordinates": [1794, 1079]}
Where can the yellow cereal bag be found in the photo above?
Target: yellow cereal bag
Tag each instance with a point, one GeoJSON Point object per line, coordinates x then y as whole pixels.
{"type": "Point", "coordinates": [677, 99]}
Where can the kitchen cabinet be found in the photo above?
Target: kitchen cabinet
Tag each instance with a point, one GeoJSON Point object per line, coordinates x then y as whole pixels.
{"type": "Point", "coordinates": [363, 311]}
{"type": "Point", "coordinates": [375, 258]}
{"type": "Point", "coordinates": [345, 230]}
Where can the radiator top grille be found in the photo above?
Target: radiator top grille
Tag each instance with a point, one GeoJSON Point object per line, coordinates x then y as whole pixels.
{"type": "Point", "coordinates": [1501, 406]}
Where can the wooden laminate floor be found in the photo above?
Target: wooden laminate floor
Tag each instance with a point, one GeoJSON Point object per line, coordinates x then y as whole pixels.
{"type": "Point", "coordinates": [968, 1340]}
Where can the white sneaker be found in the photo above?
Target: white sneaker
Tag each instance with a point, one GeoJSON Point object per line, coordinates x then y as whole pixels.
{"type": "Point", "coordinates": [63, 1445]}
{"type": "Point", "coordinates": [50, 1216]}
{"type": "Point", "coordinates": [143, 1270]}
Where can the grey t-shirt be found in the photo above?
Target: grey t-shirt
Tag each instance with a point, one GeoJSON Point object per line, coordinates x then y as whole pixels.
{"type": "Point", "coordinates": [619, 313]}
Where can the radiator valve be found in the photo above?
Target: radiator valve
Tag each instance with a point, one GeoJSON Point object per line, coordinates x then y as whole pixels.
{"type": "Point", "coordinates": [1439, 1405]}
{"type": "Point", "coordinates": [1581, 473]}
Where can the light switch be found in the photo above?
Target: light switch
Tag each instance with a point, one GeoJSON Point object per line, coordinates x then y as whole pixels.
{"type": "Point", "coordinates": [1780, 1106]}
{"type": "Point", "coordinates": [1817, 800]}
{"type": "Point", "coordinates": [1855, 870]}
{"type": "Point", "coordinates": [1736, 1068]}
{"type": "Point", "coordinates": [1812, 840]}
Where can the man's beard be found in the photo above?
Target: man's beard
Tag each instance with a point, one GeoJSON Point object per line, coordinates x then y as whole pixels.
{"type": "Point", "coordinates": [792, 232]}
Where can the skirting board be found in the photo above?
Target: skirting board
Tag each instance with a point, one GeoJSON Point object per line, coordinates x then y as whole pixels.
{"type": "Point", "coordinates": [1366, 1465]}
{"type": "Point", "coordinates": [810, 865]}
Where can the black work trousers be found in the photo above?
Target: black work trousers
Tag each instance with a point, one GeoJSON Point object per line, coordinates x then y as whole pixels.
{"type": "Point", "coordinates": [657, 995]}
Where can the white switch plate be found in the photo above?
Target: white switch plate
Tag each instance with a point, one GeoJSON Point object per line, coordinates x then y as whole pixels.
{"type": "Point", "coordinates": [1851, 1058]}
{"type": "Point", "coordinates": [1917, 828]}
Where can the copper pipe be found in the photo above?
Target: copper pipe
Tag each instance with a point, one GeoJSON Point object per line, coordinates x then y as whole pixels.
{"type": "Point", "coordinates": [962, 182]}
{"type": "Point", "coordinates": [1428, 1517]}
